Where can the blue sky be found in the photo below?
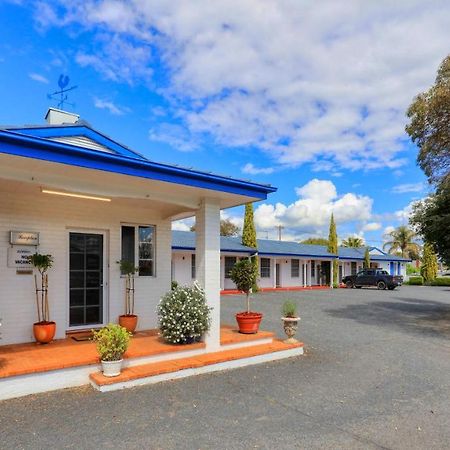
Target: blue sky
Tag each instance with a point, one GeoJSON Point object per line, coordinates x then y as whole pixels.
{"type": "Point", "coordinates": [308, 97]}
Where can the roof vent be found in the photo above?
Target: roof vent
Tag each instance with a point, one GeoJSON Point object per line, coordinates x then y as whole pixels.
{"type": "Point", "coordinates": [58, 117]}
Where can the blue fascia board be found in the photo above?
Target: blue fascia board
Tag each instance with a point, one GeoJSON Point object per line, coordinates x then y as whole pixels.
{"type": "Point", "coordinates": [284, 255]}
{"type": "Point", "coordinates": [80, 130]}
{"type": "Point", "coordinates": [374, 258]}
{"type": "Point", "coordinates": [36, 148]}
{"type": "Point", "coordinates": [224, 250]}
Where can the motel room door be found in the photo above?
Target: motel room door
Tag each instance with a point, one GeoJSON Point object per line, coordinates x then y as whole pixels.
{"type": "Point", "coordinates": [86, 279]}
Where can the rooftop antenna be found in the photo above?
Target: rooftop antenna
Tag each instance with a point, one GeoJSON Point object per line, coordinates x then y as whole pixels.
{"type": "Point", "coordinates": [61, 95]}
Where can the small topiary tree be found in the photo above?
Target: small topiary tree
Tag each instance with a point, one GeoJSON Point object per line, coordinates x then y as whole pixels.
{"type": "Point", "coordinates": [128, 269]}
{"type": "Point", "coordinates": [244, 276]}
{"type": "Point", "coordinates": [42, 263]}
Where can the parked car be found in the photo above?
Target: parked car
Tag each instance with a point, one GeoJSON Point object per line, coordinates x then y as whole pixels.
{"type": "Point", "coordinates": [373, 277]}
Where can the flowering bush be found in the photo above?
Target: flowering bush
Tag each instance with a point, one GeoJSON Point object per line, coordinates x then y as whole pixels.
{"type": "Point", "coordinates": [183, 314]}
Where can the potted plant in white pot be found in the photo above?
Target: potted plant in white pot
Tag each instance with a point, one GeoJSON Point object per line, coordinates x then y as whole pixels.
{"type": "Point", "coordinates": [128, 320]}
{"type": "Point", "coordinates": [112, 342]}
{"type": "Point", "coordinates": [184, 316]}
{"type": "Point", "coordinates": [290, 321]}
{"type": "Point", "coordinates": [44, 329]}
{"type": "Point", "coordinates": [243, 276]}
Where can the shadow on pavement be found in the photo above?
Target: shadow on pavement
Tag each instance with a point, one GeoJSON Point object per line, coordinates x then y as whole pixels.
{"type": "Point", "coordinates": [409, 315]}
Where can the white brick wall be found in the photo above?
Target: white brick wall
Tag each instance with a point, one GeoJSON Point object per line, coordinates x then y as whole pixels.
{"type": "Point", "coordinates": [53, 217]}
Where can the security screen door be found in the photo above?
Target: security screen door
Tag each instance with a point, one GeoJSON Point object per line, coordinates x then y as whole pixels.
{"type": "Point", "coordinates": [85, 279]}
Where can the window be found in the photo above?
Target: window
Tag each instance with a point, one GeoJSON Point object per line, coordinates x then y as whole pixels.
{"type": "Point", "coordinates": [138, 247]}
{"type": "Point", "coordinates": [313, 269]}
{"type": "Point", "coordinates": [193, 266]}
{"type": "Point", "coordinates": [295, 268]}
{"type": "Point", "coordinates": [230, 261]}
{"type": "Point", "coordinates": [265, 268]}
{"type": "Point", "coordinates": [353, 268]}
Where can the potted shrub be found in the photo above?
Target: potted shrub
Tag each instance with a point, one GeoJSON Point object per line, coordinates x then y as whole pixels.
{"type": "Point", "coordinates": [290, 321]}
{"type": "Point", "coordinates": [243, 275]}
{"type": "Point", "coordinates": [128, 320]}
{"type": "Point", "coordinates": [184, 317]}
{"type": "Point", "coordinates": [112, 342]}
{"type": "Point", "coordinates": [44, 329]}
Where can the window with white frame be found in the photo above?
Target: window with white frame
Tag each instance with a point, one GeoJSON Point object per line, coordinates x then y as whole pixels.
{"type": "Point", "coordinates": [230, 261]}
{"type": "Point", "coordinates": [313, 269]}
{"type": "Point", "coordinates": [265, 267]}
{"type": "Point", "coordinates": [295, 268]}
{"type": "Point", "coordinates": [138, 247]}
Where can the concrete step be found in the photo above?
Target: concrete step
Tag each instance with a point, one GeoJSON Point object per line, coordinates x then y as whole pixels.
{"type": "Point", "coordinates": [208, 362]}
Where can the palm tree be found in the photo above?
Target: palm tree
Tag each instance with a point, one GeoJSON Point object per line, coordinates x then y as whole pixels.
{"type": "Point", "coordinates": [353, 241]}
{"type": "Point", "coordinates": [402, 239]}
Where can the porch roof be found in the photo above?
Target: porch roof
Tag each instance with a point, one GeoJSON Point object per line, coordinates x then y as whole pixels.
{"type": "Point", "coordinates": [27, 144]}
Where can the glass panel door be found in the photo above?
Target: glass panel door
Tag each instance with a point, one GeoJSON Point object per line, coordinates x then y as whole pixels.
{"type": "Point", "coordinates": [85, 279]}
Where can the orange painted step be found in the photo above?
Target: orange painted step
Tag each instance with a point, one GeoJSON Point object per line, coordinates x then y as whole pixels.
{"type": "Point", "coordinates": [229, 335]}
{"type": "Point", "coordinates": [159, 368]}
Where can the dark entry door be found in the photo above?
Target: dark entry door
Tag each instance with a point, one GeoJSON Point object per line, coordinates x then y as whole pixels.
{"type": "Point", "coordinates": [85, 279]}
{"type": "Point", "coordinates": [278, 278]}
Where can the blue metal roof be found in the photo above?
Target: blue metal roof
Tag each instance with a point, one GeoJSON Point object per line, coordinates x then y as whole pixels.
{"type": "Point", "coordinates": [18, 144]}
{"type": "Point", "coordinates": [185, 240]}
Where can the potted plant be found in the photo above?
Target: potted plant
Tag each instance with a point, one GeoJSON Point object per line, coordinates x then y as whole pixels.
{"type": "Point", "coordinates": [184, 317]}
{"type": "Point", "coordinates": [112, 342]}
{"type": "Point", "coordinates": [290, 321]}
{"type": "Point", "coordinates": [44, 329]}
{"type": "Point", "coordinates": [128, 320]}
{"type": "Point", "coordinates": [243, 275]}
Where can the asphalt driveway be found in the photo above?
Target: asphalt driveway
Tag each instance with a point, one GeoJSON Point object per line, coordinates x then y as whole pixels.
{"type": "Point", "coordinates": [376, 374]}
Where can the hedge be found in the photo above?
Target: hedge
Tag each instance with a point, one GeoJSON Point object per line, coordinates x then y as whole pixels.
{"type": "Point", "coordinates": [416, 281]}
{"type": "Point", "coordinates": [440, 281]}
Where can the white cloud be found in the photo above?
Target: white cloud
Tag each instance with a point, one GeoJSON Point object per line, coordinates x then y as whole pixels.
{"type": "Point", "coordinates": [174, 135]}
{"type": "Point", "coordinates": [252, 170]}
{"type": "Point", "coordinates": [110, 106]}
{"type": "Point", "coordinates": [408, 187]}
{"type": "Point", "coordinates": [180, 225]}
{"type": "Point", "coordinates": [372, 226]}
{"type": "Point", "coordinates": [318, 199]}
{"type": "Point", "coordinates": [39, 78]}
{"type": "Point", "coordinates": [332, 84]}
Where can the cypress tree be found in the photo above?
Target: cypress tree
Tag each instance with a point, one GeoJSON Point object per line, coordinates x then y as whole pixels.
{"type": "Point", "coordinates": [429, 263]}
{"type": "Point", "coordinates": [366, 258]}
{"type": "Point", "coordinates": [333, 248]}
{"type": "Point", "coordinates": [249, 237]}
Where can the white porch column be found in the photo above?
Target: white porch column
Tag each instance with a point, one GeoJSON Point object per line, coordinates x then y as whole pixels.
{"type": "Point", "coordinates": [309, 273]}
{"type": "Point", "coordinates": [274, 273]}
{"type": "Point", "coordinates": [304, 273]}
{"type": "Point", "coordinates": [207, 227]}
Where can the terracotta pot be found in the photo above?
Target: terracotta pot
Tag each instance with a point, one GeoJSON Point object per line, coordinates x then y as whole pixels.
{"type": "Point", "coordinates": [128, 321]}
{"type": "Point", "coordinates": [44, 332]}
{"type": "Point", "coordinates": [248, 322]}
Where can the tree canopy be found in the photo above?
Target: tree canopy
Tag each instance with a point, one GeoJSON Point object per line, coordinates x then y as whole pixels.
{"type": "Point", "coordinates": [429, 125]}
{"type": "Point", "coordinates": [353, 241]}
{"type": "Point", "coordinates": [249, 230]}
{"type": "Point", "coordinates": [227, 228]}
{"type": "Point", "coordinates": [333, 248]}
{"type": "Point", "coordinates": [315, 241]}
{"type": "Point", "coordinates": [431, 218]}
{"type": "Point", "coordinates": [403, 240]}
{"type": "Point", "coordinates": [429, 263]}
{"type": "Point", "coordinates": [366, 263]}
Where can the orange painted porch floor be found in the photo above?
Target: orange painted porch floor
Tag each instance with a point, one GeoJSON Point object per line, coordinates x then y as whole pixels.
{"type": "Point", "coordinates": [163, 367]}
{"type": "Point", "coordinates": [21, 359]}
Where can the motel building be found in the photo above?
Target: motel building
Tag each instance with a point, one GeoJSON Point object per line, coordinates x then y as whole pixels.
{"type": "Point", "coordinates": [283, 265]}
{"type": "Point", "coordinates": [70, 191]}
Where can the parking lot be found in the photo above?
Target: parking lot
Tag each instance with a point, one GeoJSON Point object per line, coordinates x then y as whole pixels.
{"type": "Point", "coordinates": [375, 375]}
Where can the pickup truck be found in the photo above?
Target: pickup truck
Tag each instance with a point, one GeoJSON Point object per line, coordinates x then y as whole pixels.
{"type": "Point", "coordinates": [373, 277]}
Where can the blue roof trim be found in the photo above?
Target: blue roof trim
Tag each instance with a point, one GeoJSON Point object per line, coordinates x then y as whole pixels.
{"type": "Point", "coordinates": [225, 250]}
{"type": "Point", "coordinates": [78, 130]}
{"type": "Point", "coordinates": [37, 148]}
{"type": "Point", "coordinates": [288, 255]}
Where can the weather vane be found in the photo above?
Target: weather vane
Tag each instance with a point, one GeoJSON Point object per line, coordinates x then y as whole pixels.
{"type": "Point", "coordinates": [61, 95]}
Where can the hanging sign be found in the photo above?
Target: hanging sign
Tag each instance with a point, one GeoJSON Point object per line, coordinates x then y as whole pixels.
{"type": "Point", "coordinates": [24, 238]}
{"type": "Point", "coordinates": [18, 257]}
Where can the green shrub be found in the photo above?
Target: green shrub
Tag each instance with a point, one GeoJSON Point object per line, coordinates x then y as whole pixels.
{"type": "Point", "coordinates": [112, 342]}
{"type": "Point", "coordinates": [440, 281]}
{"type": "Point", "coordinates": [174, 285]}
{"type": "Point", "coordinates": [243, 275]}
{"type": "Point", "coordinates": [415, 281]}
{"type": "Point", "coordinates": [184, 315]}
{"type": "Point", "coordinates": [411, 269]}
{"type": "Point", "coordinates": [289, 309]}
